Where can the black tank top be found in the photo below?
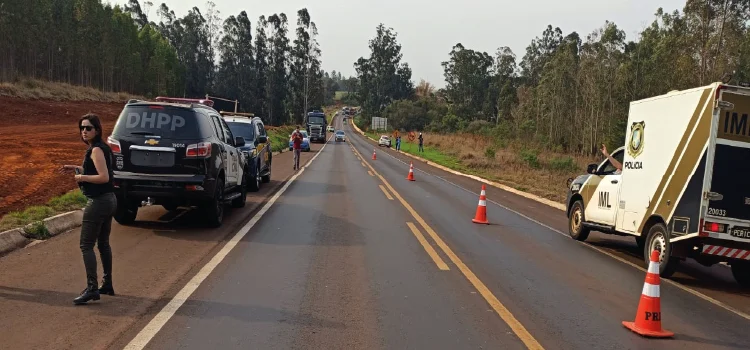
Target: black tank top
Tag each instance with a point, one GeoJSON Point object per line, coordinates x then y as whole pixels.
{"type": "Point", "coordinates": [91, 189]}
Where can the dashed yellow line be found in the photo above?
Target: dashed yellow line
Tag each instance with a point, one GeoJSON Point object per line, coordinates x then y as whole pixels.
{"type": "Point", "coordinates": [370, 173]}
{"type": "Point", "coordinates": [387, 195]}
{"type": "Point", "coordinates": [502, 311]}
{"type": "Point", "coordinates": [363, 163]}
{"type": "Point", "coordinates": [428, 248]}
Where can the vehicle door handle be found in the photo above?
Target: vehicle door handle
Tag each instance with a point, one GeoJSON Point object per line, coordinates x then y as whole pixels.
{"type": "Point", "coordinates": [615, 181]}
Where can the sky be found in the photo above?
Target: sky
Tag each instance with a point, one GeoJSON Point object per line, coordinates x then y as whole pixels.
{"type": "Point", "coordinates": [428, 30]}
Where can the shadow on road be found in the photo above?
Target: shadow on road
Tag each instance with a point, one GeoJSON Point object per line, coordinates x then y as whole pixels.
{"type": "Point", "coordinates": [111, 306]}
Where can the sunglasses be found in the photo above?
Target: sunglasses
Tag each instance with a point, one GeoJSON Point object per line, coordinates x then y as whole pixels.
{"type": "Point", "coordinates": [87, 127]}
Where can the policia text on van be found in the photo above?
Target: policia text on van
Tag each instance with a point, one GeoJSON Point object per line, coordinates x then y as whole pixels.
{"type": "Point", "coordinates": [684, 188]}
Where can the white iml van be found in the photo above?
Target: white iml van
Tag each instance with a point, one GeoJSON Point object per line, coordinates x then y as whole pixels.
{"type": "Point", "coordinates": [684, 187]}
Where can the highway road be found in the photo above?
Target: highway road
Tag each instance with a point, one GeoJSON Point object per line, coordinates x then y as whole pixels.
{"type": "Point", "coordinates": [348, 254]}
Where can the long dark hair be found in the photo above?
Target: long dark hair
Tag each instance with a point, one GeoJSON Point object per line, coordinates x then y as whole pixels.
{"type": "Point", "coordinates": [94, 120]}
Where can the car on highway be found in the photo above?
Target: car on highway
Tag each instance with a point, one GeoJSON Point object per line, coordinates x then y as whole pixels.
{"type": "Point", "coordinates": [384, 141]}
{"type": "Point", "coordinates": [257, 148]}
{"type": "Point", "coordinates": [340, 136]}
{"type": "Point", "coordinates": [330, 128]}
{"type": "Point", "coordinates": [305, 141]}
{"type": "Point", "coordinates": [176, 152]}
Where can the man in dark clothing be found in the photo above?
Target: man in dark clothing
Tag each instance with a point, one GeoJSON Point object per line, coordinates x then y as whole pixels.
{"type": "Point", "coordinates": [421, 143]}
{"type": "Point", "coordinates": [296, 146]}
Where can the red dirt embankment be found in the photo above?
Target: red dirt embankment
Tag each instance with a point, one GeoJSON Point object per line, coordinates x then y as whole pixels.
{"type": "Point", "coordinates": [36, 138]}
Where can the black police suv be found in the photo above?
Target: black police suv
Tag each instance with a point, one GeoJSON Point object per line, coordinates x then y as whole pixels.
{"type": "Point", "coordinates": [257, 148]}
{"type": "Point", "coordinates": [176, 152]}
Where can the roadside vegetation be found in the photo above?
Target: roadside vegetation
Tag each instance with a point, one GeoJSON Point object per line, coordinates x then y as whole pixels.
{"type": "Point", "coordinates": [35, 214]}
{"type": "Point", "coordinates": [536, 119]}
{"type": "Point", "coordinates": [34, 89]}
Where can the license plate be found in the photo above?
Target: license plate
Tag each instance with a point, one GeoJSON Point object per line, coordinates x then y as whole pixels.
{"type": "Point", "coordinates": [740, 232]}
{"type": "Point", "coordinates": [152, 158]}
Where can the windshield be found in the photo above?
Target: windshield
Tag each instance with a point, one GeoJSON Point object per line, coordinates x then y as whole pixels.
{"type": "Point", "coordinates": [164, 121]}
{"type": "Point", "coordinates": [246, 130]}
{"type": "Point", "coordinates": [339, 132]}
{"type": "Point", "coordinates": [316, 120]}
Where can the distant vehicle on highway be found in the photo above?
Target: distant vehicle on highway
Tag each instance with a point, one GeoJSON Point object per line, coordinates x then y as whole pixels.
{"type": "Point", "coordinates": [384, 141]}
{"type": "Point", "coordinates": [257, 148]}
{"type": "Point", "coordinates": [330, 128]}
{"type": "Point", "coordinates": [316, 126]}
{"type": "Point", "coordinates": [340, 136]}
{"type": "Point", "coordinates": [679, 185]}
{"type": "Point", "coordinates": [305, 142]}
{"type": "Point", "coordinates": [176, 152]}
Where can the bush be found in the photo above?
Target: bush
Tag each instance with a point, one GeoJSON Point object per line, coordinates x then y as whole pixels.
{"type": "Point", "coordinates": [562, 164]}
{"type": "Point", "coordinates": [37, 230]}
{"type": "Point", "coordinates": [480, 127]}
{"type": "Point", "coordinates": [530, 157]}
{"type": "Point", "coordinates": [490, 153]}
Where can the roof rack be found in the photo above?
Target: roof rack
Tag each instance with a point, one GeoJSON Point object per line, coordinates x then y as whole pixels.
{"type": "Point", "coordinates": [190, 101]}
{"type": "Point", "coordinates": [238, 114]}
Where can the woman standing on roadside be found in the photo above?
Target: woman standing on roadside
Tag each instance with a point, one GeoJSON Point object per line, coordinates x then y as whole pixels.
{"type": "Point", "coordinates": [95, 180]}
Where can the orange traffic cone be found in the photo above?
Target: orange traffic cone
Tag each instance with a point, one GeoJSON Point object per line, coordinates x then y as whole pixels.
{"type": "Point", "coordinates": [410, 177]}
{"type": "Point", "coordinates": [481, 215]}
{"type": "Point", "coordinates": [648, 317]}
{"type": "Point", "coordinates": [373, 155]}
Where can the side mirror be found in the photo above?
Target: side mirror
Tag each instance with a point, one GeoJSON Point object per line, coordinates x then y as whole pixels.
{"type": "Point", "coordinates": [239, 141]}
{"type": "Point", "coordinates": [262, 139]}
{"type": "Point", "coordinates": [591, 169]}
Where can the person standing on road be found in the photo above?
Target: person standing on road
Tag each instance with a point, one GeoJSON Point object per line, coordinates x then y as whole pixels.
{"type": "Point", "coordinates": [421, 143]}
{"type": "Point", "coordinates": [296, 146]}
{"type": "Point", "coordinates": [94, 178]}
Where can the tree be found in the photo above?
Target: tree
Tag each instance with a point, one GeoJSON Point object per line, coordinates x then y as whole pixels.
{"type": "Point", "coordinates": [382, 77]}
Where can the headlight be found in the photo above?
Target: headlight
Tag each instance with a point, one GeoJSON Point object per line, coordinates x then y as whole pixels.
{"type": "Point", "coordinates": [575, 187]}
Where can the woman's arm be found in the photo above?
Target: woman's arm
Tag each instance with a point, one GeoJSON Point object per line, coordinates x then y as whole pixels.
{"type": "Point", "coordinates": [100, 163]}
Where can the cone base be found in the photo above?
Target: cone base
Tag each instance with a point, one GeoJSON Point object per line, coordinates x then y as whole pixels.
{"type": "Point", "coordinates": [647, 333]}
{"type": "Point", "coordinates": [410, 179]}
{"type": "Point", "coordinates": [480, 221]}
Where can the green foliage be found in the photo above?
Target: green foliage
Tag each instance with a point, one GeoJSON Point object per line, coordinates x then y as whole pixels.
{"type": "Point", "coordinates": [530, 157]}
{"type": "Point", "coordinates": [479, 127]}
{"type": "Point", "coordinates": [37, 230]}
{"type": "Point", "coordinates": [562, 164]}
{"type": "Point", "coordinates": [490, 153]}
{"type": "Point", "coordinates": [69, 201]}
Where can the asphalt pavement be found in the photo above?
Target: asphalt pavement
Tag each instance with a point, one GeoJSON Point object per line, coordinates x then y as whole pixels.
{"type": "Point", "coordinates": [348, 254]}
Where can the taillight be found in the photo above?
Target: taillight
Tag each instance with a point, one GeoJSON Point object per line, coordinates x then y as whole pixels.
{"type": "Point", "coordinates": [114, 145]}
{"type": "Point", "coordinates": [198, 150]}
{"type": "Point", "coordinates": [714, 227]}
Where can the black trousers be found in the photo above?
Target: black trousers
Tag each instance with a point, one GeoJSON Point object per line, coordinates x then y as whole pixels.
{"type": "Point", "coordinates": [96, 226]}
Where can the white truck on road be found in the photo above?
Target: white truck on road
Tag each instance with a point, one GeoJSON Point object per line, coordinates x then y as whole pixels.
{"type": "Point", "coordinates": [684, 187]}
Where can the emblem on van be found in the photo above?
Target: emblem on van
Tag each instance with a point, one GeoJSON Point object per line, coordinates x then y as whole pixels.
{"type": "Point", "coordinates": [635, 146]}
{"type": "Point", "coordinates": [152, 142]}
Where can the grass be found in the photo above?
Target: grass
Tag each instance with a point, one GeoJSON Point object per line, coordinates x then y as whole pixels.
{"type": "Point", "coordinates": [34, 89]}
{"type": "Point", "coordinates": [519, 166]}
{"type": "Point", "coordinates": [279, 137]}
{"type": "Point", "coordinates": [35, 214]}
{"type": "Point", "coordinates": [340, 95]}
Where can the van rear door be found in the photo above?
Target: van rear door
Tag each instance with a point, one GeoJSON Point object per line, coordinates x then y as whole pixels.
{"type": "Point", "coordinates": [731, 165]}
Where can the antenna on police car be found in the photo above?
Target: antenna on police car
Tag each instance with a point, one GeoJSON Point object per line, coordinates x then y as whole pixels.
{"type": "Point", "coordinates": [224, 99]}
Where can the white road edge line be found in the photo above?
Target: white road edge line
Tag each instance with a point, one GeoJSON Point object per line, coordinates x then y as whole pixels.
{"type": "Point", "coordinates": [676, 284]}
{"type": "Point", "coordinates": [154, 326]}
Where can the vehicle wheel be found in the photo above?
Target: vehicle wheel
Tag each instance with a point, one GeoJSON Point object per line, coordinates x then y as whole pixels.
{"type": "Point", "coordinates": [267, 178]}
{"type": "Point", "coordinates": [253, 182]}
{"type": "Point", "coordinates": [239, 202]}
{"type": "Point", "coordinates": [215, 208]}
{"type": "Point", "coordinates": [575, 223]}
{"type": "Point", "coordinates": [658, 239]}
{"type": "Point", "coordinates": [741, 273]}
{"type": "Point", "coordinates": [126, 212]}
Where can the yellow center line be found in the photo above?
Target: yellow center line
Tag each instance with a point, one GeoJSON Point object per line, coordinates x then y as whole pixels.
{"type": "Point", "coordinates": [370, 173]}
{"type": "Point", "coordinates": [363, 163]}
{"type": "Point", "coordinates": [502, 311]}
{"type": "Point", "coordinates": [387, 195]}
{"type": "Point", "coordinates": [428, 248]}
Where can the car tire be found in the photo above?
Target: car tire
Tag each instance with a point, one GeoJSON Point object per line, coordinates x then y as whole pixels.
{"type": "Point", "coordinates": [741, 273]}
{"type": "Point", "coordinates": [170, 206]}
{"type": "Point", "coordinates": [658, 239]}
{"type": "Point", "coordinates": [267, 178]}
{"type": "Point", "coordinates": [575, 222]}
{"type": "Point", "coordinates": [253, 182]}
{"type": "Point", "coordinates": [240, 201]}
{"type": "Point", "coordinates": [126, 212]}
{"type": "Point", "coordinates": [215, 208]}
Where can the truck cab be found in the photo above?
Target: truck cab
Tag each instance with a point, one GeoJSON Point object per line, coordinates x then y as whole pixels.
{"type": "Point", "coordinates": [316, 126]}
